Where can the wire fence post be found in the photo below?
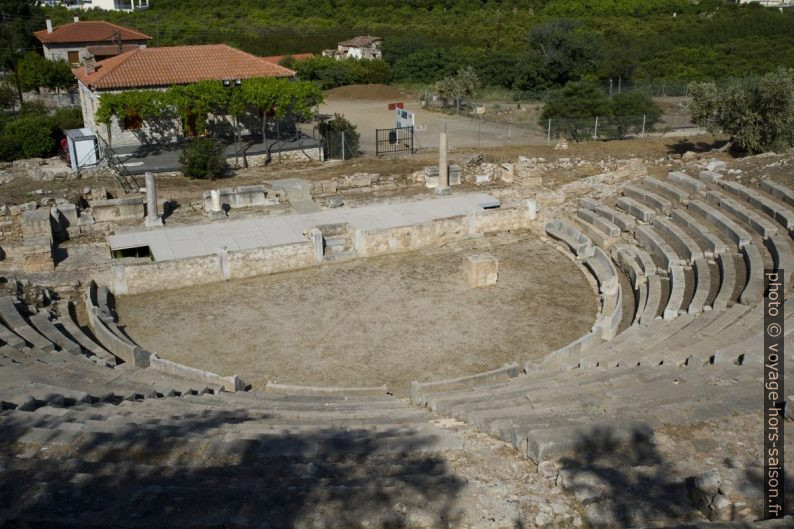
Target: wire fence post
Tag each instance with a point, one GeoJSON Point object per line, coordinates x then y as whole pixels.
{"type": "Point", "coordinates": [343, 145]}
{"type": "Point", "coordinates": [595, 130]}
{"type": "Point", "coordinates": [548, 134]}
{"type": "Point", "coordinates": [643, 127]}
{"type": "Point", "coordinates": [509, 123]}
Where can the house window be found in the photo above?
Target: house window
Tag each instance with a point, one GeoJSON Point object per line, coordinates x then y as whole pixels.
{"type": "Point", "coordinates": [133, 121]}
{"type": "Point", "coordinates": [73, 57]}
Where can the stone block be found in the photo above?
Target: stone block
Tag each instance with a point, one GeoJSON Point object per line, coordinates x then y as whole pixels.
{"type": "Point", "coordinates": [481, 270]}
{"type": "Point", "coordinates": [114, 209]}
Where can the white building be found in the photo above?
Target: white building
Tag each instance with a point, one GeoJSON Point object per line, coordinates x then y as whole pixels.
{"type": "Point", "coordinates": [364, 47]}
{"type": "Point", "coordinates": [108, 5]}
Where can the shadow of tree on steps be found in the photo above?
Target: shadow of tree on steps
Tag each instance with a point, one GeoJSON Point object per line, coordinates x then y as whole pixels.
{"type": "Point", "coordinates": [623, 481]}
{"type": "Point", "coordinates": [192, 472]}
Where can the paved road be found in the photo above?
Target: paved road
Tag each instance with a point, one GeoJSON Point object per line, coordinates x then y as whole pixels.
{"type": "Point", "coordinates": [157, 159]}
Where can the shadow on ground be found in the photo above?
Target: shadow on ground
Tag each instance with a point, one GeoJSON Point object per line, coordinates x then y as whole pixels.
{"type": "Point", "coordinates": [193, 475]}
{"type": "Point", "coordinates": [685, 145]}
{"type": "Point", "coordinates": [624, 481]}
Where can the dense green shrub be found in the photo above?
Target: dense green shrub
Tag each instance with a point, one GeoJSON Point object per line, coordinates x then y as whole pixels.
{"type": "Point", "coordinates": [332, 134]}
{"type": "Point", "coordinates": [202, 158]}
{"type": "Point", "coordinates": [68, 118]}
{"type": "Point", "coordinates": [330, 73]}
{"type": "Point", "coordinates": [629, 111]}
{"type": "Point", "coordinates": [27, 136]}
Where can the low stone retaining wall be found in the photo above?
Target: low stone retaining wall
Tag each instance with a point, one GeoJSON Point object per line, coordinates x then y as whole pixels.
{"type": "Point", "coordinates": [326, 391]}
{"type": "Point", "coordinates": [240, 197]}
{"type": "Point", "coordinates": [231, 383]}
{"type": "Point", "coordinates": [114, 209]}
{"type": "Point", "coordinates": [420, 390]}
{"type": "Point", "coordinates": [135, 276]}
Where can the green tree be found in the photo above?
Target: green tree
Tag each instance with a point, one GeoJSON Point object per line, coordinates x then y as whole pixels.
{"type": "Point", "coordinates": [574, 109]}
{"type": "Point", "coordinates": [36, 72]}
{"type": "Point", "coordinates": [7, 97]}
{"type": "Point", "coordinates": [757, 114]}
{"type": "Point", "coordinates": [21, 19]}
{"type": "Point", "coordinates": [455, 87]}
{"type": "Point", "coordinates": [629, 111]}
{"type": "Point", "coordinates": [202, 158]}
{"type": "Point", "coordinates": [567, 49]}
{"type": "Point", "coordinates": [333, 131]}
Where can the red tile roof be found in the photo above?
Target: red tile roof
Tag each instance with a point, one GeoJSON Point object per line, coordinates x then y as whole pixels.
{"type": "Point", "coordinates": [360, 42]}
{"type": "Point", "coordinates": [106, 50]}
{"type": "Point", "coordinates": [147, 67]}
{"type": "Point", "coordinates": [275, 59]}
{"type": "Point", "coordinates": [88, 31]}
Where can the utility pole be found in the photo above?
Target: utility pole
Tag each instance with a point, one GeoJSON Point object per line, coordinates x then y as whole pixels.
{"type": "Point", "coordinates": [117, 41]}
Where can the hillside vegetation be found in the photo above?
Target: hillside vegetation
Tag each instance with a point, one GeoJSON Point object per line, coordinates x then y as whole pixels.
{"type": "Point", "coordinates": [516, 44]}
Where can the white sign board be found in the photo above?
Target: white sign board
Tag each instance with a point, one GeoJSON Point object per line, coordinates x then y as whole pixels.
{"type": "Point", "coordinates": [404, 118]}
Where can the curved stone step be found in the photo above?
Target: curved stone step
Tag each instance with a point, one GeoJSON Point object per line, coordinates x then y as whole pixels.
{"type": "Point", "coordinates": [627, 261]}
{"type": "Point", "coordinates": [727, 282]}
{"type": "Point", "coordinates": [710, 177]}
{"type": "Point", "coordinates": [420, 390]}
{"type": "Point", "coordinates": [779, 212]}
{"type": "Point", "coordinates": [605, 225]}
{"type": "Point", "coordinates": [685, 242]}
{"type": "Point", "coordinates": [754, 288]}
{"type": "Point", "coordinates": [42, 323]}
{"type": "Point", "coordinates": [667, 189]}
{"type": "Point", "coordinates": [598, 237]}
{"type": "Point", "coordinates": [675, 303]}
{"type": "Point", "coordinates": [648, 198]}
{"type": "Point", "coordinates": [654, 300]}
{"type": "Point", "coordinates": [702, 288]}
{"type": "Point", "coordinates": [8, 337]}
{"type": "Point", "coordinates": [725, 224]}
{"type": "Point", "coordinates": [714, 245]}
{"type": "Point", "coordinates": [778, 191]}
{"type": "Point", "coordinates": [636, 209]}
{"type": "Point", "coordinates": [757, 222]}
{"type": "Point", "coordinates": [685, 181]}
{"type": "Point", "coordinates": [655, 244]}
{"type": "Point", "coordinates": [78, 335]}
{"type": "Point", "coordinates": [579, 243]}
{"type": "Point", "coordinates": [14, 320]}
{"type": "Point", "coordinates": [623, 221]}
{"type": "Point", "coordinates": [779, 247]}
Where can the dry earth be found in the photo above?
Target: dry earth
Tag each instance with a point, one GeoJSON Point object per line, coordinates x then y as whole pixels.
{"type": "Point", "coordinates": [387, 320]}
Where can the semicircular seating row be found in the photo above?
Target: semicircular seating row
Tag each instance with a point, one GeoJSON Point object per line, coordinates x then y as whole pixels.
{"type": "Point", "coordinates": [72, 415]}
{"type": "Point", "coordinates": [694, 251]}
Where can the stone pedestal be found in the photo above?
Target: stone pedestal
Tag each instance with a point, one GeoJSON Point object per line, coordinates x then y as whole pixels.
{"type": "Point", "coordinates": [153, 218]}
{"type": "Point", "coordinates": [481, 270]}
{"type": "Point", "coordinates": [216, 211]}
{"type": "Point", "coordinates": [532, 206]}
{"type": "Point", "coordinates": [443, 169]}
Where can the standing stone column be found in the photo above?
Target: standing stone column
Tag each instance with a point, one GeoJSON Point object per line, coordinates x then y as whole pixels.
{"type": "Point", "coordinates": [443, 169]}
{"type": "Point", "coordinates": [152, 216]}
{"type": "Point", "coordinates": [216, 209]}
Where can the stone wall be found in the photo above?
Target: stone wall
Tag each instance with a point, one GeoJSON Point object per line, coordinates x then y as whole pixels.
{"type": "Point", "coordinates": [136, 276]}
{"type": "Point", "coordinates": [110, 210]}
{"type": "Point", "coordinates": [309, 154]}
{"type": "Point", "coordinates": [139, 277]}
{"type": "Point", "coordinates": [241, 197]}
